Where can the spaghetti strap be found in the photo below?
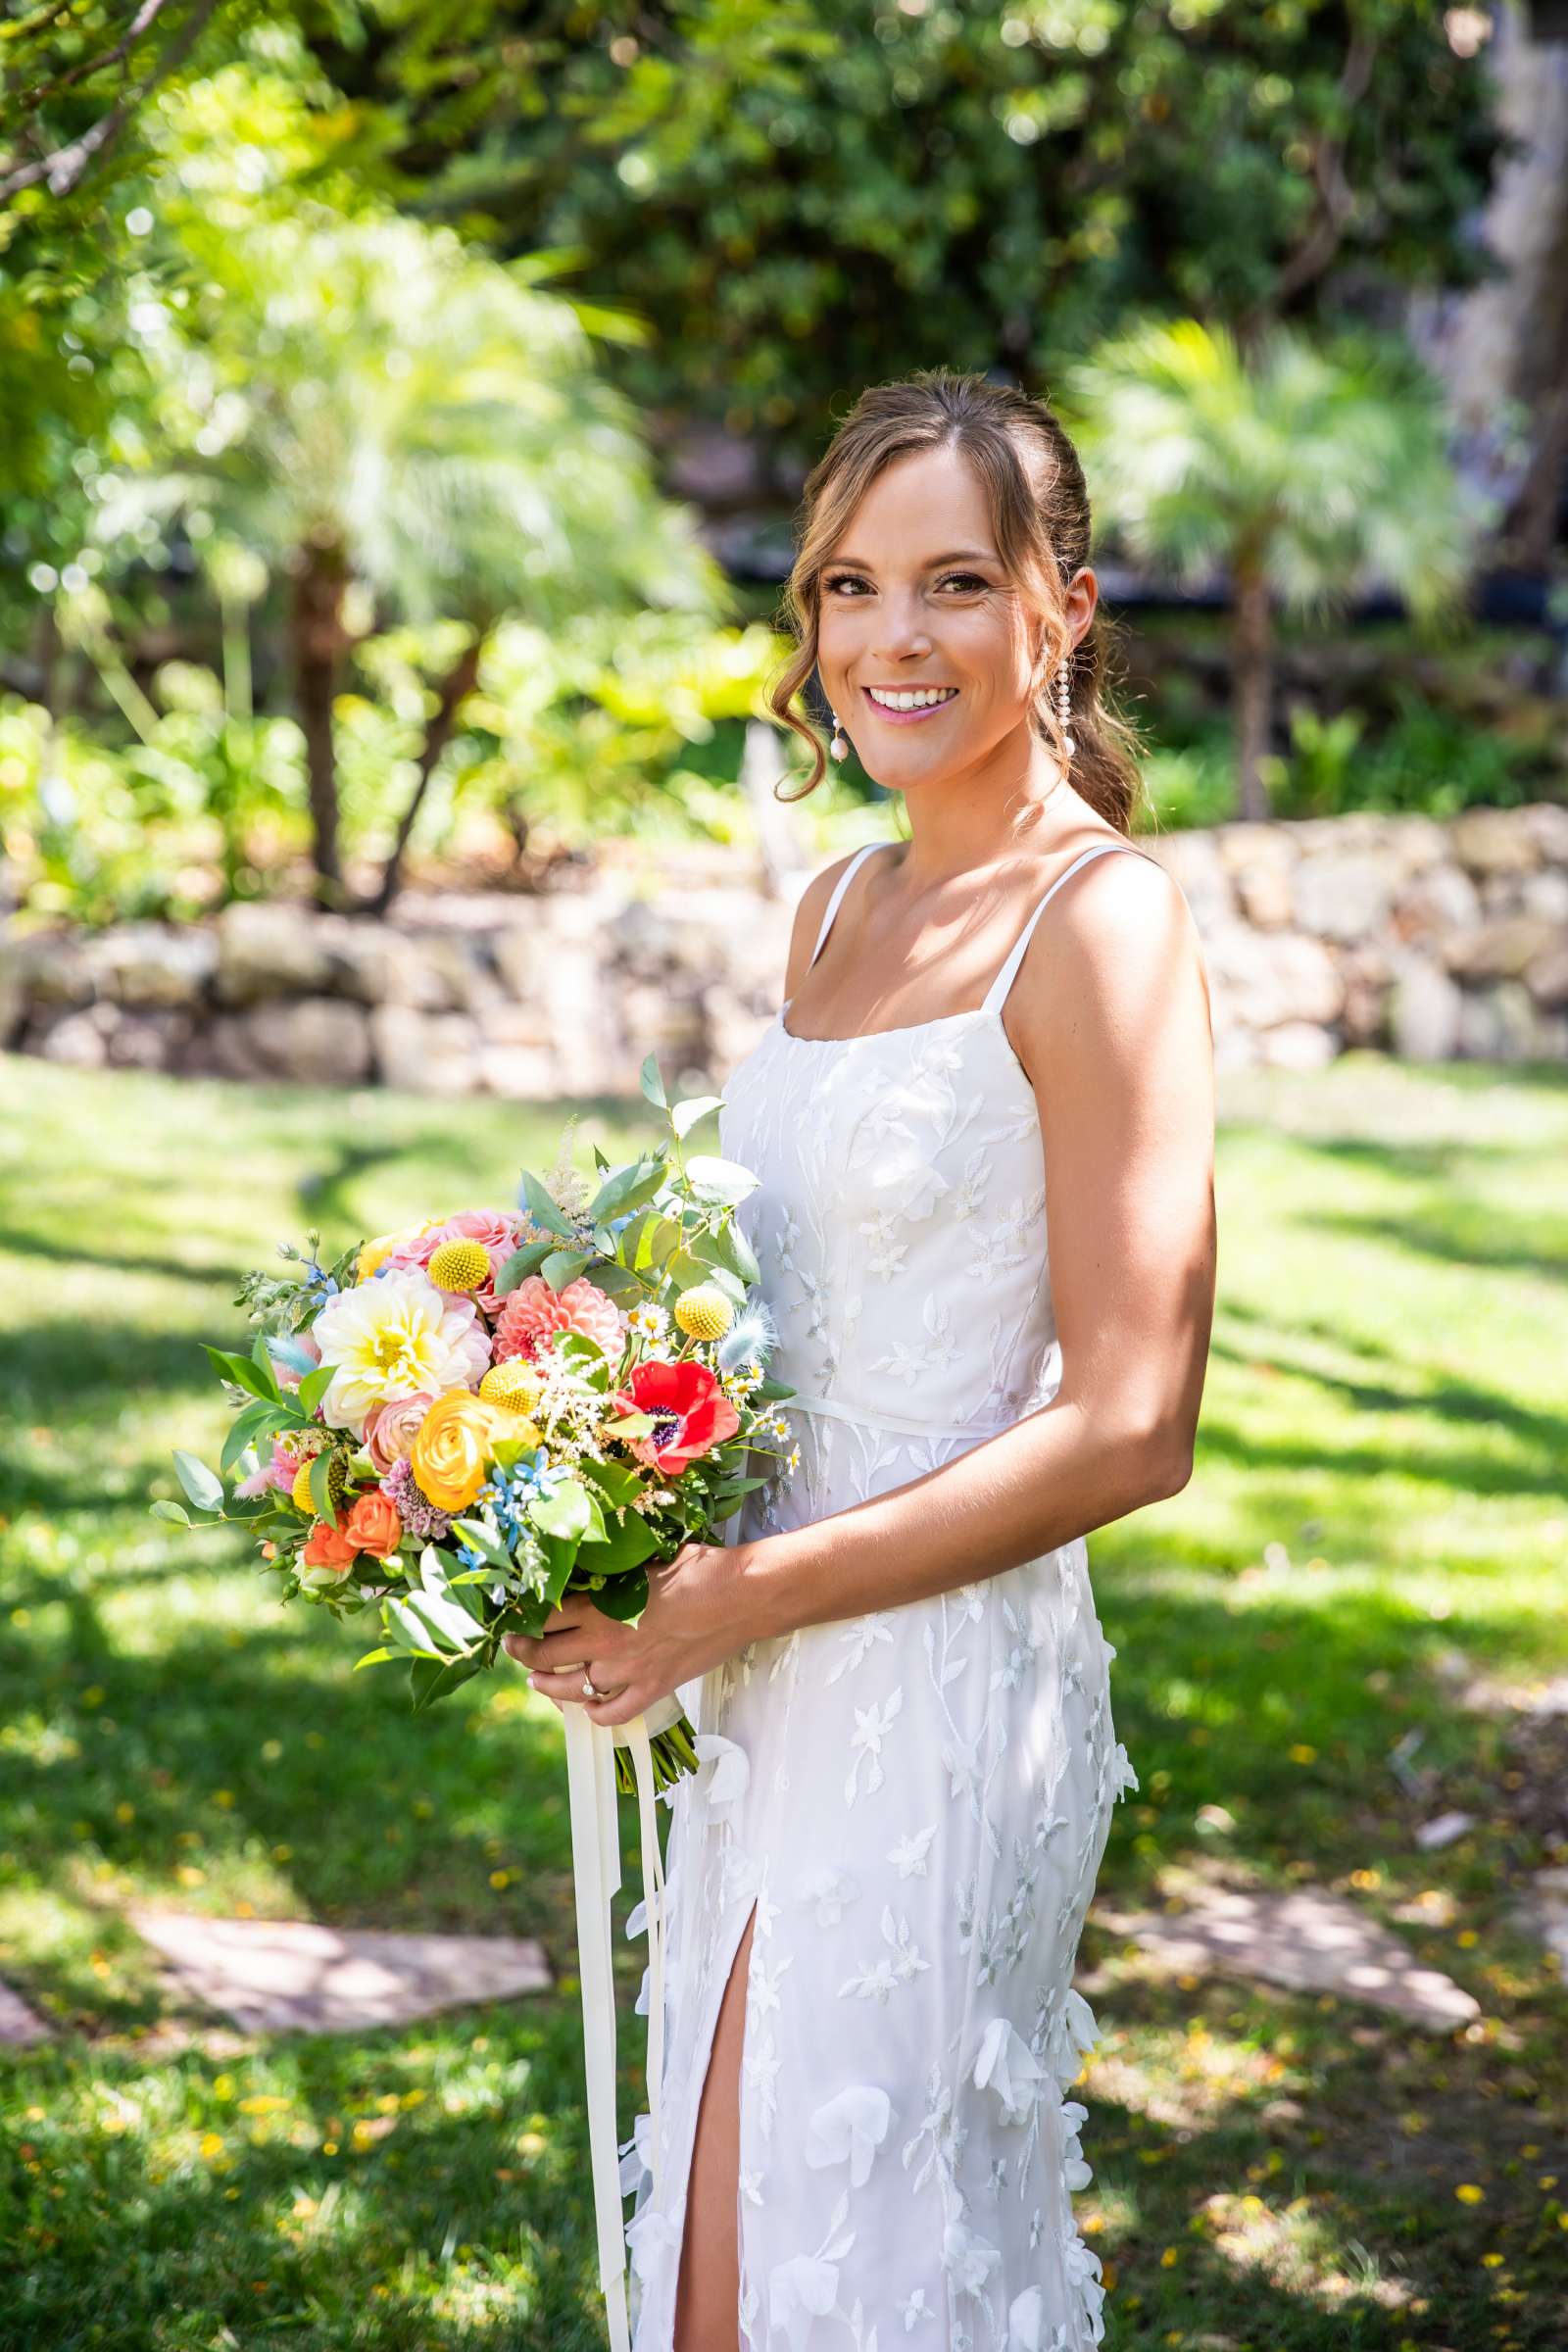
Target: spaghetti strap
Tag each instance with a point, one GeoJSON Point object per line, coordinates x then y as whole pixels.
{"type": "Point", "coordinates": [840, 886]}
{"type": "Point", "coordinates": [996, 995]}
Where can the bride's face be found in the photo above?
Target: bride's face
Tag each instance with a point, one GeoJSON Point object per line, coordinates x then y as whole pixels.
{"type": "Point", "coordinates": [914, 597]}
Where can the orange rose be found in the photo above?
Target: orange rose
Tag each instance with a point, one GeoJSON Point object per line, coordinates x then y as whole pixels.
{"type": "Point", "coordinates": [373, 1524]}
{"type": "Point", "coordinates": [451, 1456]}
{"type": "Point", "coordinates": [330, 1546]}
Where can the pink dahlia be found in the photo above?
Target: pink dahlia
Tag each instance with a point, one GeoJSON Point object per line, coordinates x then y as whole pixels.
{"type": "Point", "coordinates": [534, 1313]}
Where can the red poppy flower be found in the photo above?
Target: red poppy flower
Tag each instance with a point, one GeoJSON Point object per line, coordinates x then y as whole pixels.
{"type": "Point", "coordinates": [690, 1413]}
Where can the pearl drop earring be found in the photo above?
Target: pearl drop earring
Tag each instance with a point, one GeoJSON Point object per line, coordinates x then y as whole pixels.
{"type": "Point", "coordinates": [1064, 704]}
{"type": "Point", "coordinates": [840, 742]}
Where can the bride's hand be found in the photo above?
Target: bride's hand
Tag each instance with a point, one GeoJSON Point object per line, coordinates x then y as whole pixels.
{"type": "Point", "coordinates": [688, 1625]}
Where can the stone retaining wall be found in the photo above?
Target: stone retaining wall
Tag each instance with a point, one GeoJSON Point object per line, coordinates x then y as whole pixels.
{"type": "Point", "coordinates": [1431, 940]}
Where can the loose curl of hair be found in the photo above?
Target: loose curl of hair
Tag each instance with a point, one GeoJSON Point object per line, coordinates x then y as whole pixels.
{"type": "Point", "coordinates": [1039, 504]}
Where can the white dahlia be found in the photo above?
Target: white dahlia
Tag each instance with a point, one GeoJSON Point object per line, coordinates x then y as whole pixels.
{"type": "Point", "coordinates": [394, 1337]}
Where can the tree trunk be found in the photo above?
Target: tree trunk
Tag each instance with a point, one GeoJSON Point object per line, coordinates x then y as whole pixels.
{"type": "Point", "coordinates": [1251, 682]}
{"type": "Point", "coordinates": [459, 682]}
{"type": "Point", "coordinates": [321, 577]}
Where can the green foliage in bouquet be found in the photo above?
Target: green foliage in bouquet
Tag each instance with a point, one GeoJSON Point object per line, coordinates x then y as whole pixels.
{"type": "Point", "coordinates": [470, 1420]}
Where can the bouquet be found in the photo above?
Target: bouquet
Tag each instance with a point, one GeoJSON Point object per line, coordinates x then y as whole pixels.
{"type": "Point", "coordinates": [457, 1424]}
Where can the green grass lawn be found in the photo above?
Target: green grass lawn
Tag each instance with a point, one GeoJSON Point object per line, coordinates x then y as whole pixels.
{"type": "Point", "coordinates": [1380, 1485]}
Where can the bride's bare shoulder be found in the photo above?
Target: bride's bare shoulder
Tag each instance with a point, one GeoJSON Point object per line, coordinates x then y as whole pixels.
{"type": "Point", "coordinates": [809, 910]}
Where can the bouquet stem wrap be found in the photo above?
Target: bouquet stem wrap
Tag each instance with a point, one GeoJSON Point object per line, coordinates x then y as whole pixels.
{"type": "Point", "coordinates": [596, 1872]}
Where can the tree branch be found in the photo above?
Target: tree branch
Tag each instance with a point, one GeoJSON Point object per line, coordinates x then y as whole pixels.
{"type": "Point", "coordinates": [64, 168]}
{"type": "Point", "coordinates": [1336, 196]}
{"type": "Point", "coordinates": [144, 17]}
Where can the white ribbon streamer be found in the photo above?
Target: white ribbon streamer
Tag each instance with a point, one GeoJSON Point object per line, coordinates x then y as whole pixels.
{"type": "Point", "coordinates": [596, 1877]}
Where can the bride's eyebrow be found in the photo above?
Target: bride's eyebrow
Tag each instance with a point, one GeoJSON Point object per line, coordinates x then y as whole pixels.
{"type": "Point", "coordinates": [955, 555]}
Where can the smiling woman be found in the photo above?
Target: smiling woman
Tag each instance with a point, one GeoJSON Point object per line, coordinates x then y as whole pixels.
{"type": "Point", "coordinates": [877, 1879]}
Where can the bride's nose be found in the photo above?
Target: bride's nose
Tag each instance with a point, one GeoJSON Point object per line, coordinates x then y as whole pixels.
{"type": "Point", "coordinates": [904, 635]}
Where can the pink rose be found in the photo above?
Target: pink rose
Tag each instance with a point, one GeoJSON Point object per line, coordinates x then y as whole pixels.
{"type": "Point", "coordinates": [390, 1430]}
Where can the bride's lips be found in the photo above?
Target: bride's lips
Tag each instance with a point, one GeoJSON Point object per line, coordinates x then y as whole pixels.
{"type": "Point", "coordinates": [906, 719]}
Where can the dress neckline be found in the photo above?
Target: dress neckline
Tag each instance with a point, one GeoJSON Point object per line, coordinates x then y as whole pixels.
{"type": "Point", "coordinates": [864, 1037]}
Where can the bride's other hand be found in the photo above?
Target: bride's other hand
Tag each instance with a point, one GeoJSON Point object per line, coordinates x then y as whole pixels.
{"type": "Point", "coordinates": [691, 1622]}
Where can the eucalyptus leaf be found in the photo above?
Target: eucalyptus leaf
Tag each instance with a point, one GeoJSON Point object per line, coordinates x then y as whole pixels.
{"type": "Point", "coordinates": [652, 1086]}
{"type": "Point", "coordinates": [565, 1265]}
{"type": "Point", "coordinates": [719, 1179]}
{"type": "Point", "coordinates": [205, 1490]}
{"type": "Point", "coordinates": [522, 1263]}
{"type": "Point", "coordinates": [174, 1513]}
{"type": "Point", "coordinates": [684, 1116]}
{"type": "Point", "coordinates": [540, 1207]}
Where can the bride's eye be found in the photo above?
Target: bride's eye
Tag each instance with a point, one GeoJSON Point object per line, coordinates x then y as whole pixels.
{"type": "Point", "coordinates": [840, 579]}
{"type": "Point", "coordinates": [969, 579]}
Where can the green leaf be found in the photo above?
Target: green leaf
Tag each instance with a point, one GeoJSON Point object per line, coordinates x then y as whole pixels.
{"type": "Point", "coordinates": [624, 1597]}
{"type": "Point", "coordinates": [247, 1424]}
{"type": "Point", "coordinates": [719, 1179]}
{"type": "Point", "coordinates": [320, 1487]}
{"type": "Point", "coordinates": [652, 1084]}
{"type": "Point", "coordinates": [174, 1513]}
{"type": "Point", "coordinates": [205, 1490]}
{"type": "Point", "coordinates": [628, 1187]}
{"type": "Point", "coordinates": [731, 1250]}
{"type": "Point", "coordinates": [446, 1619]}
{"type": "Point", "coordinates": [542, 1208]}
{"type": "Point", "coordinates": [621, 1284]}
{"type": "Point", "coordinates": [484, 1543]}
{"type": "Point", "coordinates": [565, 1265]}
{"type": "Point", "coordinates": [685, 1115]}
{"type": "Point", "coordinates": [522, 1263]}
{"type": "Point", "coordinates": [626, 1545]}
{"type": "Point", "coordinates": [429, 1682]}
{"type": "Point", "coordinates": [630, 1425]}
{"type": "Point", "coordinates": [373, 1657]}
{"type": "Point", "coordinates": [613, 1479]}
{"type": "Point", "coordinates": [655, 1238]}
{"type": "Point", "coordinates": [409, 1631]}
{"type": "Point", "coordinates": [564, 1513]}
{"type": "Point", "coordinates": [314, 1387]}
{"type": "Point", "coordinates": [242, 1371]}
{"type": "Point", "coordinates": [263, 1364]}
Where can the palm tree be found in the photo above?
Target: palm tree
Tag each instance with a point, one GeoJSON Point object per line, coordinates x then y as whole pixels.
{"type": "Point", "coordinates": [374, 408]}
{"type": "Point", "coordinates": [1306, 473]}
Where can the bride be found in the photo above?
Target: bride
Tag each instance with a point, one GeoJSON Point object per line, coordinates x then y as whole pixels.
{"type": "Point", "coordinates": [994, 1031]}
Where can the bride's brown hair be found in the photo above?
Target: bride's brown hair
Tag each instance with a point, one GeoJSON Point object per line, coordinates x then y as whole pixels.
{"type": "Point", "coordinates": [1040, 514]}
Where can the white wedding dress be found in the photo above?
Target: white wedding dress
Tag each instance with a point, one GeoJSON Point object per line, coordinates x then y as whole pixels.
{"type": "Point", "coordinates": [915, 1800]}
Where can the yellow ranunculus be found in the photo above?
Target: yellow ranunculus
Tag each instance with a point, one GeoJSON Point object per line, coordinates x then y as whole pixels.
{"type": "Point", "coordinates": [376, 1253]}
{"type": "Point", "coordinates": [450, 1456]}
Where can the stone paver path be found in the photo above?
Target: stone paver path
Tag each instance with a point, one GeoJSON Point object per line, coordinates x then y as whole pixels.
{"type": "Point", "coordinates": [19, 2027]}
{"type": "Point", "coordinates": [1545, 1913]}
{"type": "Point", "coordinates": [1306, 1940]}
{"type": "Point", "coordinates": [280, 1976]}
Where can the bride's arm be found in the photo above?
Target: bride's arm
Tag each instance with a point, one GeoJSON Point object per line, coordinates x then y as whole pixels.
{"type": "Point", "coordinates": [1109, 1016]}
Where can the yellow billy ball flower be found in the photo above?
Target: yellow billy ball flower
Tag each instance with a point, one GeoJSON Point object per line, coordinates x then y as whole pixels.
{"type": "Point", "coordinates": [337, 1479]}
{"type": "Point", "coordinates": [459, 1266]}
{"type": "Point", "coordinates": [514, 1386]}
{"type": "Point", "coordinates": [450, 1457]}
{"type": "Point", "coordinates": [703, 1313]}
